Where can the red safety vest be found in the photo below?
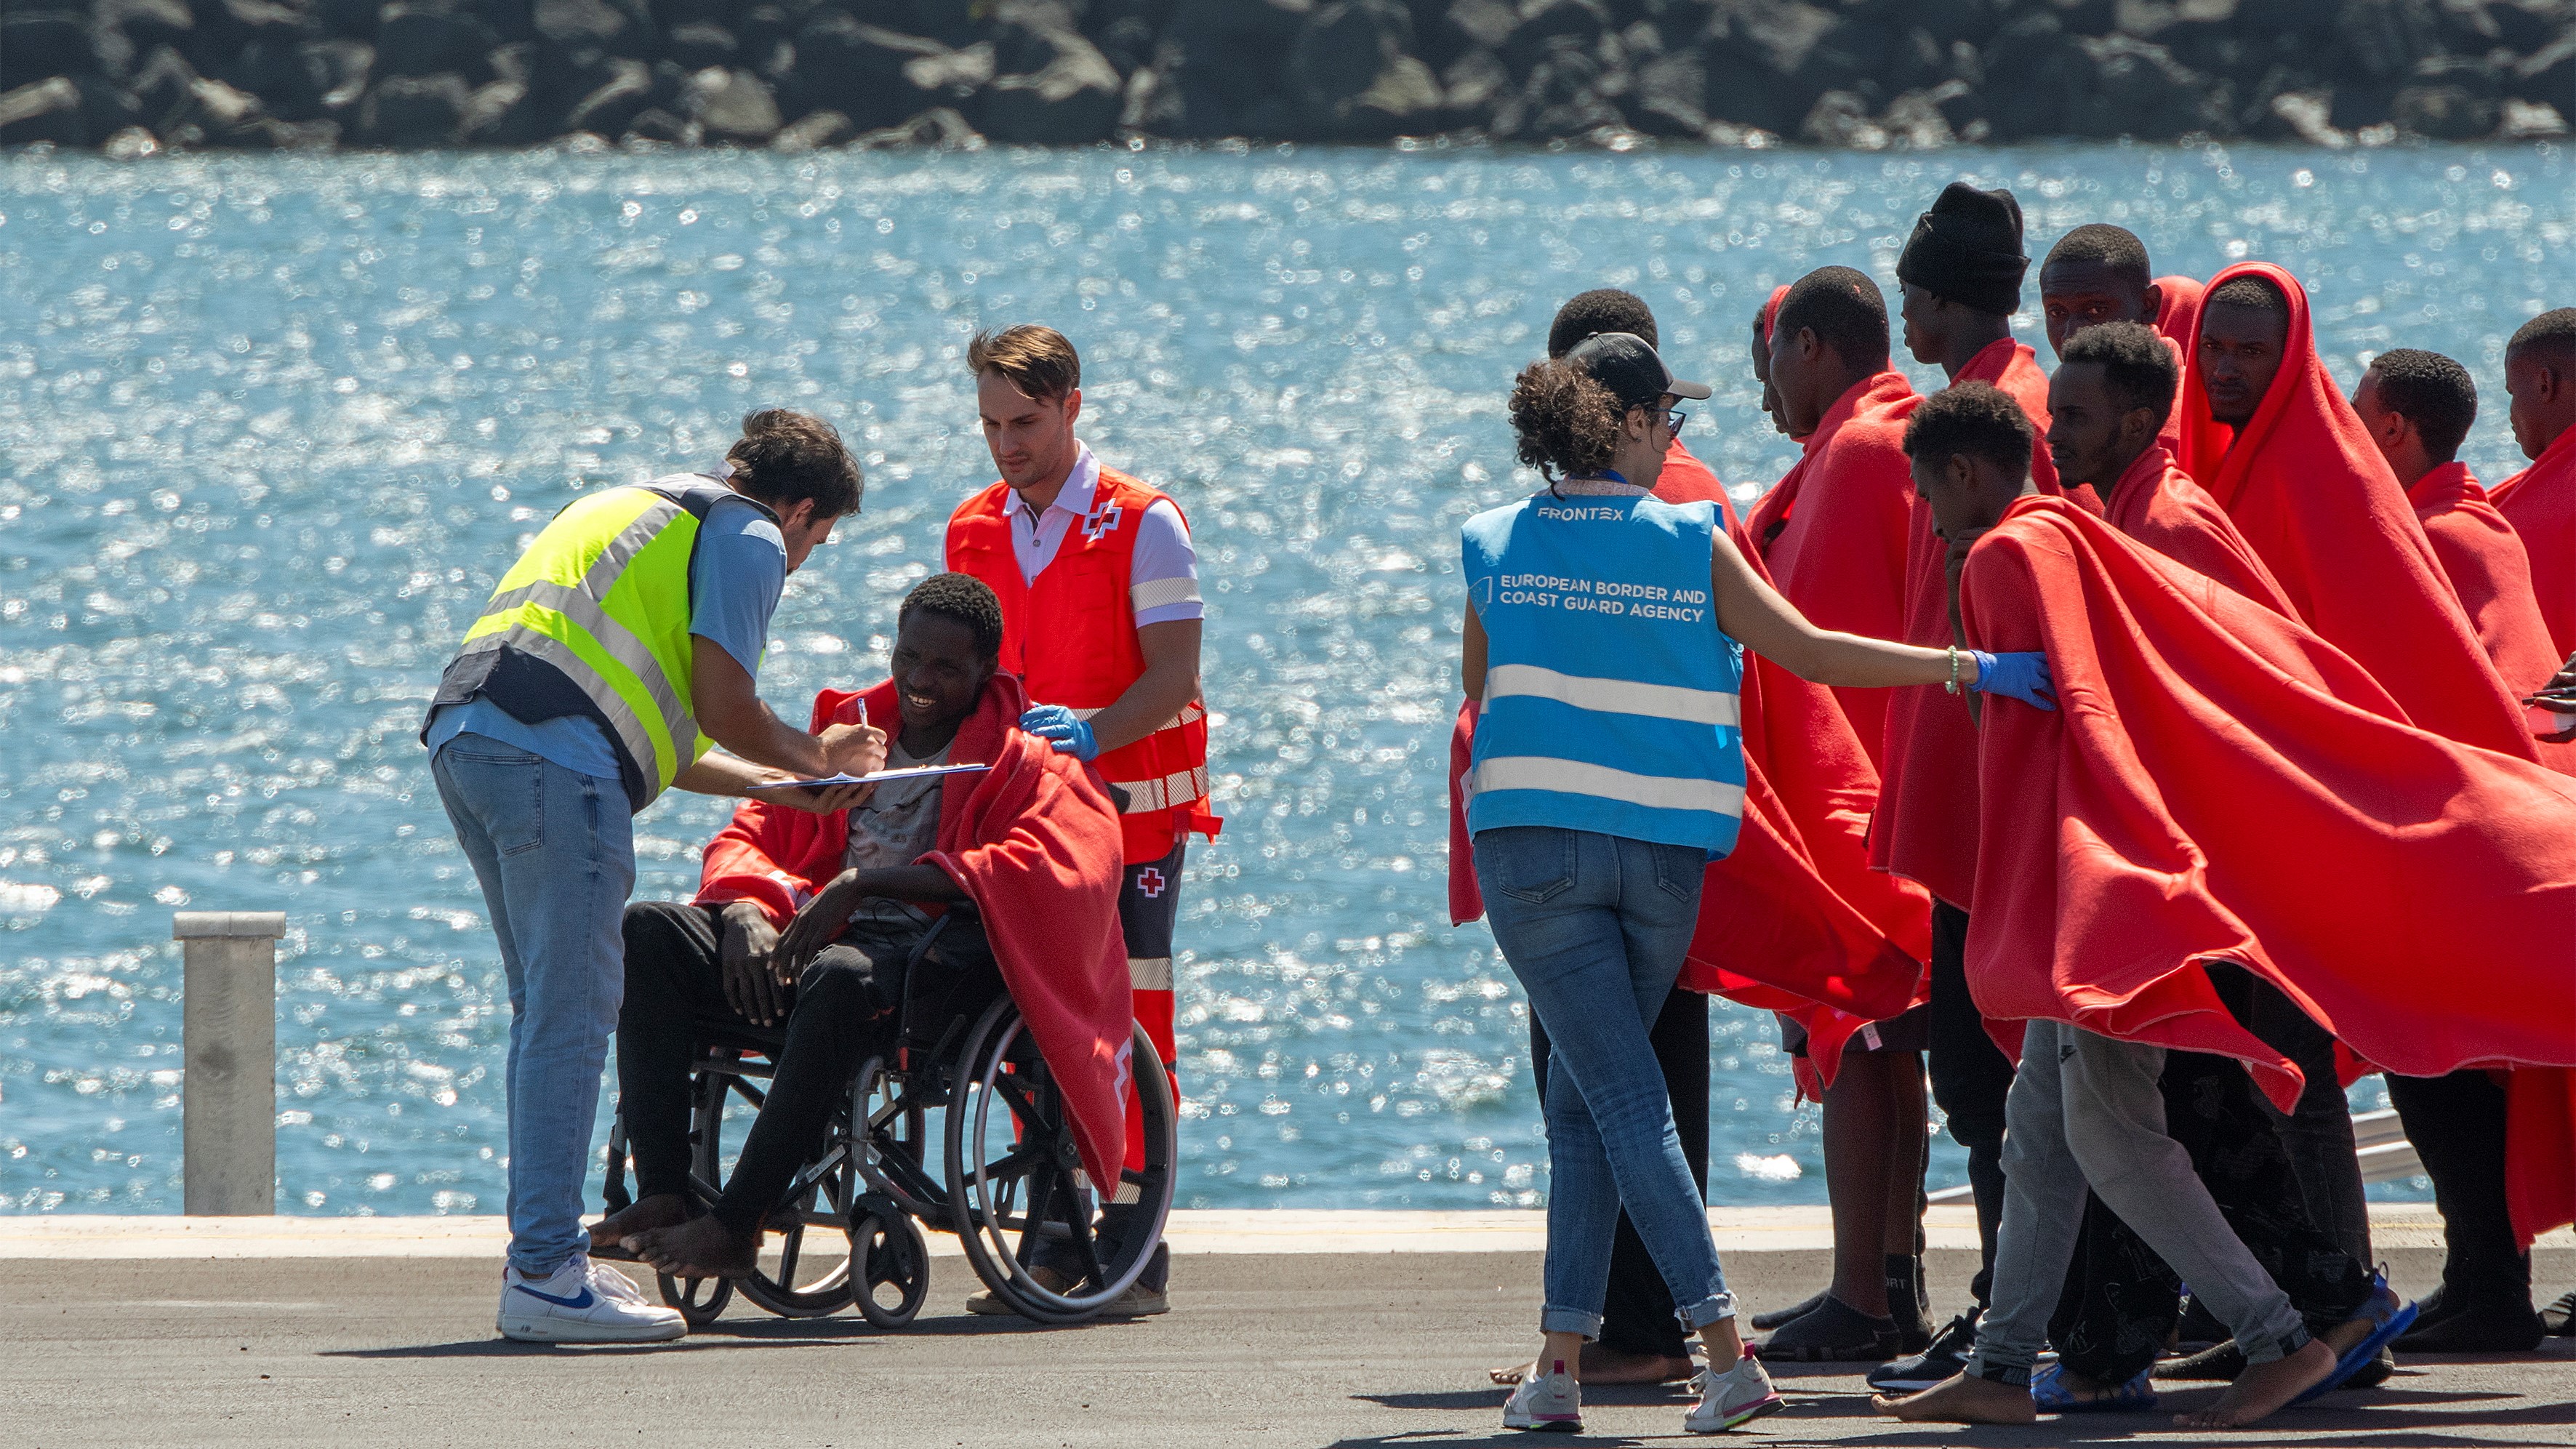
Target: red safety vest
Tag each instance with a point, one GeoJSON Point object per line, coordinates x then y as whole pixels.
{"type": "Point", "coordinates": [1071, 636]}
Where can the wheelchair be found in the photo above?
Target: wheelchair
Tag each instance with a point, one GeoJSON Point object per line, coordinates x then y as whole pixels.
{"type": "Point", "coordinates": [1008, 1179]}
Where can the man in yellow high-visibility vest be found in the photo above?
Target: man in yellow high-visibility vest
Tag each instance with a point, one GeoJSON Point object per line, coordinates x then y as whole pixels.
{"type": "Point", "coordinates": [620, 647]}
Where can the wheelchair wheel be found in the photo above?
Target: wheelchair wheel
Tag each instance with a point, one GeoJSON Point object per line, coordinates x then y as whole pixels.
{"type": "Point", "coordinates": [700, 1300]}
{"type": "Point", "coordinates": [1016, 1187]}
{"type": "Point", "coordinates": [890, 1268]}
{"type": "Point", "coordinates": [799, 1273]}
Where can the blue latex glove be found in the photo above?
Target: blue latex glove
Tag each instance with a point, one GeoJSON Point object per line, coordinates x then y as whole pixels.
{"type": "Point", "coordinates": [2021, 676]}
{"type": "Point", "coordinates": [1060, 727]}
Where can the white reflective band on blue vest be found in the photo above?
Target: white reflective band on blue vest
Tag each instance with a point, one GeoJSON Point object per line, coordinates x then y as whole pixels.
{"type": "Point", "coordinates": [1611, 699]}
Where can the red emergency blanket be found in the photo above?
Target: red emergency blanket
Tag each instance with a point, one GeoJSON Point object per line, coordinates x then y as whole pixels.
{"type": "Point", "coordinates": [2156, 504]}
{"type": "Point", "coordinates": [1927, 819]}
{"type": "Point", "coordinates": [2491, 572]}
{"type": "Point", "coordinates": [2540, 503]}
{"type": "Point", "coordinates": [2219, 783]}
{"type": "Point", "coordinates": [1833, 531]}
{"type": "Point", "coordinates": [1035, 843]}
{"type": "Point", "coordinates": [2312, 494]}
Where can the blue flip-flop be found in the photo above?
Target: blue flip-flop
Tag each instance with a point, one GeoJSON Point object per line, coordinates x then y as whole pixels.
{"type": "Point", "coordinates": [2389, 1317]}
{"type": "Point", "coordinates": [2049, 1392]}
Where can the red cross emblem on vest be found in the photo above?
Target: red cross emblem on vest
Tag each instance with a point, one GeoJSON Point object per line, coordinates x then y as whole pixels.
{"type": "Point", "coordinates": [1149, 881]}
{"type": "Point", "coordinates": [1099, 521]}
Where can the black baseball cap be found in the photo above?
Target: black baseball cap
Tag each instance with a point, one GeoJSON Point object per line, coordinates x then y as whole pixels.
{"type": "Point", "coordinates": [1630, 367]}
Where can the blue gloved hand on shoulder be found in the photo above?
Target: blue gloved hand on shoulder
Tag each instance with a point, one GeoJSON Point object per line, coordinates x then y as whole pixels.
{"type": "Point", "coordinates": [2021, 676]}
{"type": "Point", "coordinates": [1061, 727]}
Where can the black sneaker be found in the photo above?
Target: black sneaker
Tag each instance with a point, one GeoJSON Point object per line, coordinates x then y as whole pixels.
{"type": "Point", "coordinates": [2492, 1328]}
{"type": "Point", "coordinates": [1835, 1333]}
{"type": "Point", "coordinates": [1779, 1317]}
{"type": "Point", "coordinates": [1946, 1358]}
{"type": "Point", "coordinates": [2219, 1363]}
{"type": "Point", "coordinates": [2558, 1320]}
{"type": "Point", "coordinates": [1908, 1303]}
{"type": "Point", "coordinates": [2374, 1373]}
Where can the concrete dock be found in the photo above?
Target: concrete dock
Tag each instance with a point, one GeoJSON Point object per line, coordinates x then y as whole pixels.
{"type": "Point", "coordinates": [1306, 1329]}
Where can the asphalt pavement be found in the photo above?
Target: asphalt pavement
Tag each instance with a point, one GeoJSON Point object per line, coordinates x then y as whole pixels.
{"type": "Point", "coordinates": [1305, 1349]}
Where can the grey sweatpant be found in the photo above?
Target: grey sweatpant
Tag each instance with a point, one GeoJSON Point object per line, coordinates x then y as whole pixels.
{"type": "Point", "coordinates": [2085, 1111]}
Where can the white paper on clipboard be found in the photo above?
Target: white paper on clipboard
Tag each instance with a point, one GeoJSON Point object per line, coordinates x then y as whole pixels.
{"type": "Point", "coordinates": [917, 772]}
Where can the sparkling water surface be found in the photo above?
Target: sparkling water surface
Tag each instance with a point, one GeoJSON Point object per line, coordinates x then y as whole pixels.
{"type": "Point", "coordinates": [273, 425]}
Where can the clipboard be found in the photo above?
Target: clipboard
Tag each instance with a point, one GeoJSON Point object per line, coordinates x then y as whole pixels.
{"type": "Point", "coordinates": [881, 777]}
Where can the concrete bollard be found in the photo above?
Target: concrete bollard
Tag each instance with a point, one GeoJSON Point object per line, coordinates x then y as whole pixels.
{"type": "Point", "coordinates": [229, 1162]}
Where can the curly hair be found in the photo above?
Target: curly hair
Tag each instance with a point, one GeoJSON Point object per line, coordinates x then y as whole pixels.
{"type": "Point", "coordinates": [964, 598]}
{"type": "Point", "coordinates": [1568, 424]}
{"type": "Point", "coordinates": [1975, 419]}
{"type": "Point", "coordinates": [2137, 367]}
{"type": "Point", "coordinates": [2432, 390]}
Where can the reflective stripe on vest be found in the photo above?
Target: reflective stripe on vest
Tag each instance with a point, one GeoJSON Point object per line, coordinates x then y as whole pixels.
{"type": "Point", "coordinates": [602, 598]}
{"type": "Point", "coordinates": [1611, 699]}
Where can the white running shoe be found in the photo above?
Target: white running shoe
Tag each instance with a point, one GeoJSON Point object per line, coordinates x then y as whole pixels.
{"type": "Point", "coordinates": [583, 1302]}
{"type": "Point", "coordinates": [1552, 1400]}
{"type": "Point", "coordinates": [1739, 1396]}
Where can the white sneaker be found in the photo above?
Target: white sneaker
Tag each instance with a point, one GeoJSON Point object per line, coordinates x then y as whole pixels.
{"type": "Point", "coordinates": [583, 1302]}
{"type": "Point", "coordinates": [1739, 1396]}
{"type": "Point", "coordinates": [1551, 1400]}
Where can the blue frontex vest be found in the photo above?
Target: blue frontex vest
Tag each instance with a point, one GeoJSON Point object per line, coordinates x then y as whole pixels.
{"type": "Point", "coordinates": [1611, 699]}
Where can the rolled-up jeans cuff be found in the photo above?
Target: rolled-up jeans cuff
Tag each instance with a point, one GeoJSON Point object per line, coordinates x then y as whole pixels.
{"type": "Point", "coordinates": [1706, 1311]}
{"type": "Point", "coordinates": [2273, 1350]}
{"type": "Point", "coordinates": [2015, 1374]}
{"type": "Point", "coordinates": [1552, 1319]}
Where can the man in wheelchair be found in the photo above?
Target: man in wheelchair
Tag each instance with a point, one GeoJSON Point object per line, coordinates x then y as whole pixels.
{"type": "Point", "coordinates": [1034, 842]}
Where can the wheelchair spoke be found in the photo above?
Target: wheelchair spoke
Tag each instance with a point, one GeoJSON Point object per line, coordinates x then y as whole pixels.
{"type": "Point", "coordinates": [1078, 1219]}
{"type": "Point", "coordinates": [795, 1240]}
{"type": "Point", "coordinates": [1040, 1189]}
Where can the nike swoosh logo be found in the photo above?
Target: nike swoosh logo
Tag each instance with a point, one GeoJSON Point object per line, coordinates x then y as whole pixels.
{"type": "Point", "coordinates": [584, 1300]}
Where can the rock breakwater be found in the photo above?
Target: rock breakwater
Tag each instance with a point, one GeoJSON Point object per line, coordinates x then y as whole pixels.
{"type": "Point", "coordinates": [136, 76]}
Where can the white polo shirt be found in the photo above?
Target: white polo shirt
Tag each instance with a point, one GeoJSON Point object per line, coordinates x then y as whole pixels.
{"type": "Point", "coordinates": [1163, 576]}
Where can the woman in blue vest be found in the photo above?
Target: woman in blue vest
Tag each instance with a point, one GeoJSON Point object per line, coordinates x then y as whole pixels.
{"type": "Point", "coordinates": [1603, 635]}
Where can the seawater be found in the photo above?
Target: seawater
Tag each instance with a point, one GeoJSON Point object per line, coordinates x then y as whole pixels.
{"type": "Point", "coordinates": [272, 426]}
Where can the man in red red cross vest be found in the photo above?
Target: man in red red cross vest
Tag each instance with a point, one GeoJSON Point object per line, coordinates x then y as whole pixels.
{"type": "Point", "coordinates": [1101, 617]}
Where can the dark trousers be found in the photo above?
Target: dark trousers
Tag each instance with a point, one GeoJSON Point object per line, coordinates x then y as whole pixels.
{"type": "Point", "coordinates": [1637, 1313]}
{"type": "Point", "coordinates": [2317, 1133]}
{"type": "Point", "coordinates": [1971, 1077]}
{"type": "Point", "coordinates": [2121, 1300]}
{"type": "Point", "coordinates": [2457, 1125]}
{"type": "Point", "coordinates": [845, 1008]}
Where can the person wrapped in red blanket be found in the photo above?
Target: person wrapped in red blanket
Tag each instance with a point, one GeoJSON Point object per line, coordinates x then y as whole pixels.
{"type": "Point", "coordinates": [1033, 841]}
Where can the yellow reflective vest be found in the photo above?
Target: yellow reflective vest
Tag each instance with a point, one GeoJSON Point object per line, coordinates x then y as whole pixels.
{"type": "Point", "coordinates": [593, 620]}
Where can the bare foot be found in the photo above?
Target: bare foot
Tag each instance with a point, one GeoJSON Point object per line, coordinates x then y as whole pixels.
{"type": "Point", "coordinates": [1962, 1399]}
{"type": "Point", "coordinates": [2344, 1337]}
{"type": "Point", "coordinates": [1601, 1365]}
{"type": "Point", "coordinates": [661, 1210]}
{"type": "Point", "coordinates": [698, 1248]}
{"type": "Point", "coordinates": [2264, 1387]}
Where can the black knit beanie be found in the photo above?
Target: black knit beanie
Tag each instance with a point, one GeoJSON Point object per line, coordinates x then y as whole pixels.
{"type": "Point", "coordinates": [1967, 249]}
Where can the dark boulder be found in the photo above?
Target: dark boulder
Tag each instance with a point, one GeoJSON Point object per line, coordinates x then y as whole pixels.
{"type": "Point", "coordinates": [2548, 75]}
{"type": "Point", "coordinates": [938, 129]}
{"type": "Point", "coordinates": [616, 101]}
{"type": "Point", "coordinates": [1457, 27]}
{"type": "Point", "coordinates": [502, 112]}
{"type": "Point", "coordinates": [700, 44]}
{"type": "Point", "coordinates": [427, 37]}
{"type": "Point", "coordinates": [1760, 58]}
{"type": "Point", "coordinates": [1356, 76]}
{"type": "Point", "coordinates": [136, 28]}
{"type": "Point", "coordinates": [39, 44]}
{"type": "Point", "coordinates": [877, 77]}
{"type": "Point", "coordinates": [1224, 67]}
{"type": "Point", "coordinates": [1546, 26]}
{"type": "Point", "coordinates": [731, 107]}
{"type": "Point", "coordinates": [413, 112]}
{"type": "Point", "coordinates": [1670, 97]}
{"type": "Point", "coordinates": [49, 110]}
{"type": "Point", "coordinates": [661, 127]}
{"type": "Point", "coordinates": [813, 132]}
{"type": "Point", "coordinates": [1072, 99]}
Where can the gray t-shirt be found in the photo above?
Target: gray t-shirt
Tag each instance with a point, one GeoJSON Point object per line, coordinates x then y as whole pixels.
{"type": "Point", "coordinates": [898, 825]}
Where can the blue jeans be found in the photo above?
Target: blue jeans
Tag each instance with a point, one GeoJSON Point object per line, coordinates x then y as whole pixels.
{"type": "Point", "coordinates": [555, 852]}
{"type": "Point", "coordinates": [1595, 926]}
